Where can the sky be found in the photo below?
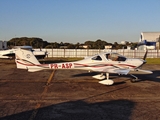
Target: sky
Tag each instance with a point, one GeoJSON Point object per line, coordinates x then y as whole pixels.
{"type": "Point", "coordinates": [76, 21]}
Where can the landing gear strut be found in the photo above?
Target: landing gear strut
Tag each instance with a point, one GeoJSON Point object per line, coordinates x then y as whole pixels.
{"type": "Point", "coordinates": [135, 79]}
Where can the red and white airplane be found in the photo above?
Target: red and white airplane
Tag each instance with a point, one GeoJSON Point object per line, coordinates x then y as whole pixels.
{"type": "Point", "coordinates": [107, 62]}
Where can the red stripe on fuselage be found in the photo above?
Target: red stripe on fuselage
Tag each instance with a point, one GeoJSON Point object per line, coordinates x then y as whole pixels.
{"type": "Point", "coordinates": [40, 65]}
{"type": "Point", "coordinates": [102, 65]}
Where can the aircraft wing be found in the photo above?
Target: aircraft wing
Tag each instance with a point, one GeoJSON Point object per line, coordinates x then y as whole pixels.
{"type": "Point", "coordinates": [118, 71]}
{"type": "Point", "coordinates": [113, 69]}
{"type": "Point", "coordinates": [122, 71]}
{"type": "Point", "coordinates": [140, 71]}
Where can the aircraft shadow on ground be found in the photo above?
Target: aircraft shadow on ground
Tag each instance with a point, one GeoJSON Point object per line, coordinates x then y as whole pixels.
{"type": "Point", "coordinates": [79, 110]}
{"type": "Point", "coordinates": [112, 76]}
{"type": "Point", "coordinates": [155, 77]}
{"type": "Point", "coordinates": [142, 77]}
{"type": "Point", "coordinates": [86, 74]}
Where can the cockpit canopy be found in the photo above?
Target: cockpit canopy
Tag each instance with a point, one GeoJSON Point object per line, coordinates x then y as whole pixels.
{"type": "Point", "coordinates": [115, 57]}
{"type": "Point", "coordinates": [97, 58]}
{"type": "Point", "coordinates": [110, 56]}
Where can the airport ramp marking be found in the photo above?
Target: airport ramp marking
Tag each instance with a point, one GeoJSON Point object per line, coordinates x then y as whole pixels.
{"type": "Point", "coordinates": [38, 105]}
{"type": "Point", "coordinates": [50, 78]}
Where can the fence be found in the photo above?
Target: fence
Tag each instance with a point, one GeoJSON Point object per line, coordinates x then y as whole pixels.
{"type": "Point", "coordinates": [90, 52]}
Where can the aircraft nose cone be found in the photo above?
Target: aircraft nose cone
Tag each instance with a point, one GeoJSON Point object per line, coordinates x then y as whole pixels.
{"type": "Point", "coordinates": [137, 62]}
{"type": "Point", "coordinates": [141, 62]}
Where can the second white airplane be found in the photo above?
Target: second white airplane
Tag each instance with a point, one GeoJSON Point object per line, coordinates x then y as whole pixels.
{"type": "Point", "coordinates": [107, 62]}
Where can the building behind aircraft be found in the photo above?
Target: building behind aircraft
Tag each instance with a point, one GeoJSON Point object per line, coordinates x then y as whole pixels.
{"type": "Point", "coordinates": [3, 45]}
{"type": "Point", "coordinates": [151, 40]}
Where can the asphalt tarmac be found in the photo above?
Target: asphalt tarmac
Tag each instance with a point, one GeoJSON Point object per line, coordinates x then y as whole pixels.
{"type": "Point", "coordinates": [75, 95]}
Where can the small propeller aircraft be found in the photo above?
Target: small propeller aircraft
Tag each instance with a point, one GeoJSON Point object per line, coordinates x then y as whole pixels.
{"type": "Point", "coordinates": [106, 62]}
{"type": "Point", "coordinates": [10, 53]}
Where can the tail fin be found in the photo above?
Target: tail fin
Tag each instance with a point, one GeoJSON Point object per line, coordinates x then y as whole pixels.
{"type": "Point", "coordinates": [26, 60]}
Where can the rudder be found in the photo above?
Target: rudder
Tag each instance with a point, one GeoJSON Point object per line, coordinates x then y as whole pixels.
{"type": "Point", "coordinates": [25, 59]}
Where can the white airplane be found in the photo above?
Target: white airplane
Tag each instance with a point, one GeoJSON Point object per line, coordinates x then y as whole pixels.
{"type": "Point", "coordinates": [7, 54]}
{"type": "Point", "coordinates": [107, 62]}
{"type": "Point", "coordinates": [10, 53]}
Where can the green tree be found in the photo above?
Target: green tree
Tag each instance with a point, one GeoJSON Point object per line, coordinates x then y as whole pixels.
{"type": "Point", "coordinates": [100, 44]}
{"type": "Point", "coordinates": [90, 44]}
{"type": "Point", "coordinates": [34, 42]}
{"type": "Point", "coordinates": [71, 46]}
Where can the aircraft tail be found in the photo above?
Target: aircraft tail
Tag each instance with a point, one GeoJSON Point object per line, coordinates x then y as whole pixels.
{"type": "Point", "coordinates": [25, 59]}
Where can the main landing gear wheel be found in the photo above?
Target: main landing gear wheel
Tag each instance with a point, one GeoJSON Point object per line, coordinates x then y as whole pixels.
{"type": "Point", "coordinates": [106, 82]}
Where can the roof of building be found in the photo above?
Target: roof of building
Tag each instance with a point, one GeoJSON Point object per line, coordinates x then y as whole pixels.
{"type": "Point", "coordinates": [150, 36]}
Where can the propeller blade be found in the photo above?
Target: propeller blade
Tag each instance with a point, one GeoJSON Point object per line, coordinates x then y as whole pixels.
{"type": "Point", "coordinates": [145, 55]}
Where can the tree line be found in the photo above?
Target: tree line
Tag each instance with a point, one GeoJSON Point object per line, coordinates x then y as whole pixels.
{"type": "Point", "coordinates": [40, 43]}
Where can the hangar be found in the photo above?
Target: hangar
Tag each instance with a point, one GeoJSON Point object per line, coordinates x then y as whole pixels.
{"type": "Point", "coordinates": [152, 38]}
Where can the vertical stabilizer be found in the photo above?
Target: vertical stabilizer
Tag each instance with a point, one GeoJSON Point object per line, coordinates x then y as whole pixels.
{"type": "Point", "coordinates": [26, 60]}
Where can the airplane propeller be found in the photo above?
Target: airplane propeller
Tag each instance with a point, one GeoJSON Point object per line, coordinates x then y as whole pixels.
{"type": "Point", "coordinates": [145, 55]}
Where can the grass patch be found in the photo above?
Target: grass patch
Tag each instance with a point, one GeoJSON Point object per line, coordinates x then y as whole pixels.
{"type": "Point", "coordinates": [60, 59]}
{"type": "Point", "coordinates": [153, 60]}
